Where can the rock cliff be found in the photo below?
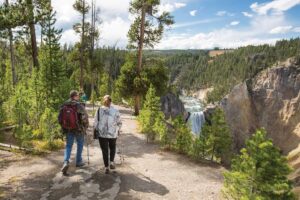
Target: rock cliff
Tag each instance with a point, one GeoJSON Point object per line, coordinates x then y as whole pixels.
{"type": "Point", "coordinates": [270, 100]}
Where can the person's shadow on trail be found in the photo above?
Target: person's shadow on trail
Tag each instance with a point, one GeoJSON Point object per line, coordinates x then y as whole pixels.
{"type": "Point", "coordinates": [141, 184]}
{"type": "Point", "coordinates": [129, 182]}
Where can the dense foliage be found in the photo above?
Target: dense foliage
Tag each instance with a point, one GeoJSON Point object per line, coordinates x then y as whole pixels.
{"type": "Point", "coordinates": [215, 140]}
{"type": "Point", "coordinates": [130, 84]}
{"type": "Point", "coordinates": [259, 172]}
{"type": "Point", "coordinates": [36, 79]}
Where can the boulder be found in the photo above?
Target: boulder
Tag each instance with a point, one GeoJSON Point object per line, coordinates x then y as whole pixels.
{"type": "Point", "coordinates": [172, 106]}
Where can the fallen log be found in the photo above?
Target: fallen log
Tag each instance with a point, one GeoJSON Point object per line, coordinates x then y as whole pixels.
{"type": "Point", "coordinates": [8, 128]}
{"type": "Point", "coordinates": [14, 147]}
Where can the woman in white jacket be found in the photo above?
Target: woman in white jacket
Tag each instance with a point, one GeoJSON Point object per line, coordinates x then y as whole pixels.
{"type": "Point", "coordinates": [107, 125]}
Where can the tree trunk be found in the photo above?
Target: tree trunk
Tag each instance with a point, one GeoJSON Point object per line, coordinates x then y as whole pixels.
{"type": "Point", "coordinates": [12, 54]}
{"type": "Point", "coordinates": [140, 58]}
{"type": "Point", "coordinates": [82, 49]}
{"type": "Point", "coordinates": [32, 36]}
{"type": "Point", "coordinates": [213, 152]}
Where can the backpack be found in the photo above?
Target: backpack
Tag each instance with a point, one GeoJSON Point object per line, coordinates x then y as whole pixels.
{"type": "Point", "coordinates": [68, 117]}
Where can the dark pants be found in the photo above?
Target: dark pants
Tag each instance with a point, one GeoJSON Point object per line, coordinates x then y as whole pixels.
{"type": "Point", "coordinates": [105, 144]}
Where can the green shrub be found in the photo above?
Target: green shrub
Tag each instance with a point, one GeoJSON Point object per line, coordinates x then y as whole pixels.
{"type": "Point", "coordinates": [165, 134]}
{"type": "Point", "coordinates": [24, 135]}
{"type": "Point", "coordinates": [116, 97]}
{"type": "Point", "coordinates": [48, 126]}
{"type": "Point", "coordinates": [2, 116]}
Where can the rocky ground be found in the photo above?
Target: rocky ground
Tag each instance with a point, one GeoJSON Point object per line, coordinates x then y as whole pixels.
{"type": "Point", "coordinates": [143, 172]}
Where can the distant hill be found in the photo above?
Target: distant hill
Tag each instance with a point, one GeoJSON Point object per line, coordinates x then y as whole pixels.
{"type": "Point", "coordinates": [223, 69]}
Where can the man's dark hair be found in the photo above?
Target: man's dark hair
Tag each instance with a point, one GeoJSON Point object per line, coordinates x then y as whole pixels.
{"type": "Point", "coordinates": [73, 93]}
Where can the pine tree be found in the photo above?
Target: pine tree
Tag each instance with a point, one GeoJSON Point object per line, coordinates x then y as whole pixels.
{"type": "Point", "coordinates": [259, 172]}
{"type": "Point", "coordinates": [83, 8]}
{"type": "Point", "coordinates": [184, 139]}
{"type": "Point", "coordinates": [152, 102]}
{"type": "Point", "coordinates": [52, 74]}
{"type": "Point", "coordinates": [150, 113]}
{"type": "Point", "coordinates": [144, 32]}
{"type": "Point", "coordinates": [219, 137]}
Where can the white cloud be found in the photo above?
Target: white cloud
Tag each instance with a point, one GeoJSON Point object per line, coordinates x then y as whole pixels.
{"type": "Point", "coordinates": [193, 13]}
{"type": "Point", "coordinates": [297, 29]}
{"type": "Point", "coordinates": [186, 24]}
{"type": "Point", "coordinates": [69, 37]}
{"type": "Point", "coordinates": [115, 19]}
{"type": "Point", "coordinates": [246, 14]}
{"type": "Point", "coordinates": [264, 23]}
{"type": "Point", "coordinates": [114, 32]}
{"type": "Point", "coordinates": [276, 6]}
{"type": "Point", "coordinates": [180, 5]}
{"type": "Point", "coordinates": [223, 13]}
{"type": "Point", "coordinates": [170, 7]}
{"type": "Point", "coordinates": [234, 23]}
{"type": "Point", "coordinates": [281, 30]}
{"type": "Point", "coordinates": [224, 38]}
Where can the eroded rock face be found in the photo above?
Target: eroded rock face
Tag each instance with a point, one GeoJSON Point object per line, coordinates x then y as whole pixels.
{"type": "Point", "coordinates": [172, 106]}
{"type": "Point", "coordinates": [271, 100]}
{"type": "Point", "coordinates": [238, 108]}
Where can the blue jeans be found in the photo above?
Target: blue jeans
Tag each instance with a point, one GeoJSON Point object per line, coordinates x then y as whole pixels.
{"type": "Point", "coordinates": [69, 144]}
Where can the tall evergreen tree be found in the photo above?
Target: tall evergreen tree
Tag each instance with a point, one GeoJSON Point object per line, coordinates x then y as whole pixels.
{"type": "Point", "coordinates": [259, 172]}
{"type": "Point", "coordinates": [83, 8]}
{"type": "Point", "coordinates": [52, 72]}
{"type": "Point", "coordinates": [150, 113]}
{"type": "Point", "coordinates": [146, 31]}
{"type": "Point", "coordinates": [25, 13]}
{"type": "Point", "coordinates": [12, 54]}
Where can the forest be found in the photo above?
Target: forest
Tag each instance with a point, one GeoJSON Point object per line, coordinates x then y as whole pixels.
{"type": "Point", "coordinates": [194, 71]}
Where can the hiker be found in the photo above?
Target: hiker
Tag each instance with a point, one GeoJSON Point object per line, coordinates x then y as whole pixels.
{"type": "Point", "coordinates": [74, 121]}
{"type": "Point", "coordinates": [83, 97]}
{"type": "Point", "coordinates": [107, 125]}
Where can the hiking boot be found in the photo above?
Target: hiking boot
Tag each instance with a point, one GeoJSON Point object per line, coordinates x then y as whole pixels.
{"type": "Point", "coordinates": [65, 168]}
{"type": "Point", "coordinates": [112, 165]}
{"type": "Point", "coordinates": [106, 170]}
{"type": "Point", "coordinates": [80, 165]}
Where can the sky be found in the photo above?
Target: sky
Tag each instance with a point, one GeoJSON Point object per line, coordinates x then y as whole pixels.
{"type": "Point", "coordinates": [199, 24]}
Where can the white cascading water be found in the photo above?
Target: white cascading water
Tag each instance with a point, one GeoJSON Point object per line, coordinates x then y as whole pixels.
{"type": "Point", "coordinates": [195, 108]}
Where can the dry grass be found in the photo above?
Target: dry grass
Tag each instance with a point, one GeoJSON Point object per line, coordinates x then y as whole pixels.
{"type": "Point", "coordinates": [46, 146]}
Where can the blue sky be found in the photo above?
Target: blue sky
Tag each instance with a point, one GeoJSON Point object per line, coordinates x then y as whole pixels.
{"type": "Point", "coordinates": [200, 24]}
{"type": "Point", "coordinates": [232, 23]}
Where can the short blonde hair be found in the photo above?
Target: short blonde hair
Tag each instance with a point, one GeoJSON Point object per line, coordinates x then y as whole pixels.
{"type": "Point", "coordinates": [105, 99]}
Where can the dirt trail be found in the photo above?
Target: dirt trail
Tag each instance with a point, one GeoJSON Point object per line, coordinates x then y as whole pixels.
{"type": "Point", "coordinates": [145, 173]}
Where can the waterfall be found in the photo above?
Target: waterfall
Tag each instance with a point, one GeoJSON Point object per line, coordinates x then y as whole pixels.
{"type": "Point", "coordinates": [196, 118]}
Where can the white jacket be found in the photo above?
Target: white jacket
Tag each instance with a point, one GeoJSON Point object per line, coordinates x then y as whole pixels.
{"type": "Point", "coordinates": [109, 122]}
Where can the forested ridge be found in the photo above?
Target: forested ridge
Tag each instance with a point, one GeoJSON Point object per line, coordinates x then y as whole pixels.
{"type": "Point", "coordinates": [192, 72]}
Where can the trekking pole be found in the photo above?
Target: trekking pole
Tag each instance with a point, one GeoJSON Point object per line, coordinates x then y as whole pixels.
{"type": "Point", "coordinates": [87, 148]}
{"type": "Point", "coordinates": [88, 153]}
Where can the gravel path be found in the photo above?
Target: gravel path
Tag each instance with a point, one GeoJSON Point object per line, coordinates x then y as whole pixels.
{"type": "Point", "coordinates": [143, 172]}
